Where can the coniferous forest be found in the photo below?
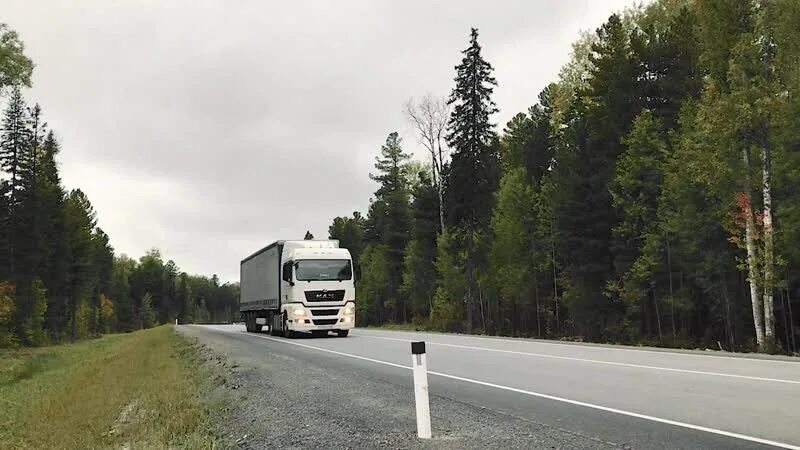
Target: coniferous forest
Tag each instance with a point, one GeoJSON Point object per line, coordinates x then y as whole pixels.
{"type": "Point", "coordinates": [59, 277]}
{"type": "Point", "coordinates": [649, 195]}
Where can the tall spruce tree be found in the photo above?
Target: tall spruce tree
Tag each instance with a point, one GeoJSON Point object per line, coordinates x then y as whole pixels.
{"type": "Point", "coordinates": [15, 147]}
{"type": "Point", "coordinates": [51, 218]}
{"type": "Point", "coordinates": [389, 220]}
{"type": "Point", "coordinates": [419, 271]}
{"type": "Point", "coordinates": [473, 172]}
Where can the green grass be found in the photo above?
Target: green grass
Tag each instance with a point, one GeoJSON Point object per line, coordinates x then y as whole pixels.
{"type": "Point", "coordinates": [401, 327]}
{"type": "Point", "coordinates": [137, 390]}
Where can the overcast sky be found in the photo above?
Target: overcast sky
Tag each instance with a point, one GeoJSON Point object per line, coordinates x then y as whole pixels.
{"type": "Point", "coordinates": [209, 131]}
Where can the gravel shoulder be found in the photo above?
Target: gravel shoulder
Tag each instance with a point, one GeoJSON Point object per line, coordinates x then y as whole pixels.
{"type": "Point", "coordinates": [271, 397]}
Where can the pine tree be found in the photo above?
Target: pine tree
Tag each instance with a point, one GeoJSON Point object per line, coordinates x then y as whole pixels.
{"type": "Point", "coordinates": [185, 300]}
{"type": "Point", "coordinates": [389, 223]}
{"type": "Point", "coordinates": [79, 223]}
{"type": "Point", "coordinates": [308, 236]}
{"type": "Point", "coordinates": [472, 175]}
{"type": "Point", "coordinates": [528, 140]}
{"type": "Point", "coordinates": [14, 153]}
{"type": "Point", "coordinates": [146, 314]}
{"type": "Point", "coordinates": [120, 291]}
{"type": "Point", "coordinates": [636, 190]}
{"type": "Point", "coordinates": [419, 272]}
{"type": "Point", "coordinates": [102, 264]}
{"type": "Point", "coordinates": [51, 222]}
{"type": "Point", "coordinates": [169, 307]}
{"type": "Point", "coordinates": [30, 242]}
{"type": "Point", "coordinates": [598, 121]}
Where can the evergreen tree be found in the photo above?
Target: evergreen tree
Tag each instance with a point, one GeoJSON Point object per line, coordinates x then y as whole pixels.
{"type": "Point", "coordinates": [599, 120]}
{"type": "Point", "coordinates": [636, 190]}
{"type": "Point", "coordinates": [14, 153]}
{"type": "Point", "coordinates": [79, 223]}
{"type": "Point", "coordinates": [146, 314]}
{"type": "Point", "coordinates": [308, 236]}
{"type": "Point", "coordinates": [419, 272]}
{"type": "Point", "coordinates": [120, 291]}
{"type": "Point", "coordinates": [50, 219]}
{"type": "Point", "coordinates": [528, 140]}
{"type": "Point", "coordinates": [448, 309]}
{"type": "Point", "coordinates": [349, 231]}
{"type": "Point", "coordinates": [148, 278]}
{"type": "Point", "coordinates": [102, 262]}
{"type": "Point", "coordinates": [389, 221]}
{"type": "Point", "coordinates": [169, 307]}
{"type": "Point", "coordinates": [472, 175]}
{"type": "Point", "coordinates": [185, 301]}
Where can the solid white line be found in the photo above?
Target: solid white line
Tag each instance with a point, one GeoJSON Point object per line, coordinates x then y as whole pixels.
{"type": "Point", "coordinates": [732, 357]}
{"type": "Point", "coordinates": [596, 361]}
{"type": "Point", "coordinates": [540, 395]}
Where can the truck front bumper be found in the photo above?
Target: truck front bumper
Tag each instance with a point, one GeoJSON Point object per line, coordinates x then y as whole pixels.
{"type": "Point", "coordinates": [309, 324]}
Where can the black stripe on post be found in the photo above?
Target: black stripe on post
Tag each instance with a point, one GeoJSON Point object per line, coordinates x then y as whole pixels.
{"type": "Point", "coordinates": [418, 348]}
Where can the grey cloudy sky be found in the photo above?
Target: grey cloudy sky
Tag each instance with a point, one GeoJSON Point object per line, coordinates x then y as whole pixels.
{"type": "Point", "coordinates": [209, 129]}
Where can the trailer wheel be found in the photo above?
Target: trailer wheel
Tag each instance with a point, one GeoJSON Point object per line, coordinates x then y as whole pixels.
{"type": "Point", "coordinates": [248, 322]}
{"type": "Point", "coordinates": [342, 333]}
{"type": "Point", "coordinates": [273, 329]}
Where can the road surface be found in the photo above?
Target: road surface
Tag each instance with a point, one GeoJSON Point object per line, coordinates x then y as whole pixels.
{"type": "Point", "coordinates": [620, 396]}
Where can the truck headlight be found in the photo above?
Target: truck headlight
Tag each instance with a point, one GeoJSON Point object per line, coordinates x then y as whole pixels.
{"type": "Point", "coordinates": [299, 311]}
{"type": "Point", "coordinates": [349, 310]}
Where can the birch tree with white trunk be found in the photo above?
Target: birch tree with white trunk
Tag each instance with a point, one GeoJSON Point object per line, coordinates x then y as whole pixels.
{"type": "Point", "coordinates": [429, 117]}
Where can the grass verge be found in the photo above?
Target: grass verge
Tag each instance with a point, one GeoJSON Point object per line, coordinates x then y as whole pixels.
{"type": "Point", "coordinates": [137, 390]}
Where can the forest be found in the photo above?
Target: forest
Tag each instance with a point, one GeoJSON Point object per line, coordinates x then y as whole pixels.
{"type": "Point", "coordinates": [60, 279]}
{"type": "Point", "coordinates": [648, 196]}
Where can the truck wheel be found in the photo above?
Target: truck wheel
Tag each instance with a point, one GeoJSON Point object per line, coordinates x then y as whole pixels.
{"type": "Point", "coordinates": [342, 333]}
{"type": "Point", "coordinates": [286, 332]}
{"type": "Point", "coordinates": [248, 323]}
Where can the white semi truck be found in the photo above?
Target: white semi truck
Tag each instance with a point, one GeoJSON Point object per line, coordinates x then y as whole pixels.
{"type": "Point", "coordinates": [298, 287]}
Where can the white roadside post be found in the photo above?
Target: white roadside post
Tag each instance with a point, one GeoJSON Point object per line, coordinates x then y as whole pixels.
{"type": "Point", "coordinates": [420, 366]}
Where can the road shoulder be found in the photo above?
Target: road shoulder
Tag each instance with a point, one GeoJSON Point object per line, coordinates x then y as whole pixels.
{"type": "Point", "coordinates": [281, 399]}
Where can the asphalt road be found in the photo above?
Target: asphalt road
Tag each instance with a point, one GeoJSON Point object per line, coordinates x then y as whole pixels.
{"type": "Point", "coordinates": [617, 395]}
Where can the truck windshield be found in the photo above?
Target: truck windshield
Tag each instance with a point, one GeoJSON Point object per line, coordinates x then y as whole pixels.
{"type": "Point", "coordinates": [323, 269]}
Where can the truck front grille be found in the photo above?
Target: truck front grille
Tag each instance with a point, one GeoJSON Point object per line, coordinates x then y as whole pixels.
{"type": "Point", "coordinates": [325, 321]}
{"type": "Point", "coordinates": [325, 296]}
{"type": "Point", "coordinates": [324, 312]}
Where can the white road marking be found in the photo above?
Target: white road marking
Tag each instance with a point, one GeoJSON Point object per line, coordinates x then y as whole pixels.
{"type": "Point", "coordinates": [540, 395]}
{"type": "Point", "coordinates": [732, 357]}
{"type": "Point", "coordinates": [596, 361]}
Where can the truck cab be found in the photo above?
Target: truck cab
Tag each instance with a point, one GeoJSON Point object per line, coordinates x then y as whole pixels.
{"type": "Point", "coordinates": [317, 289]}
